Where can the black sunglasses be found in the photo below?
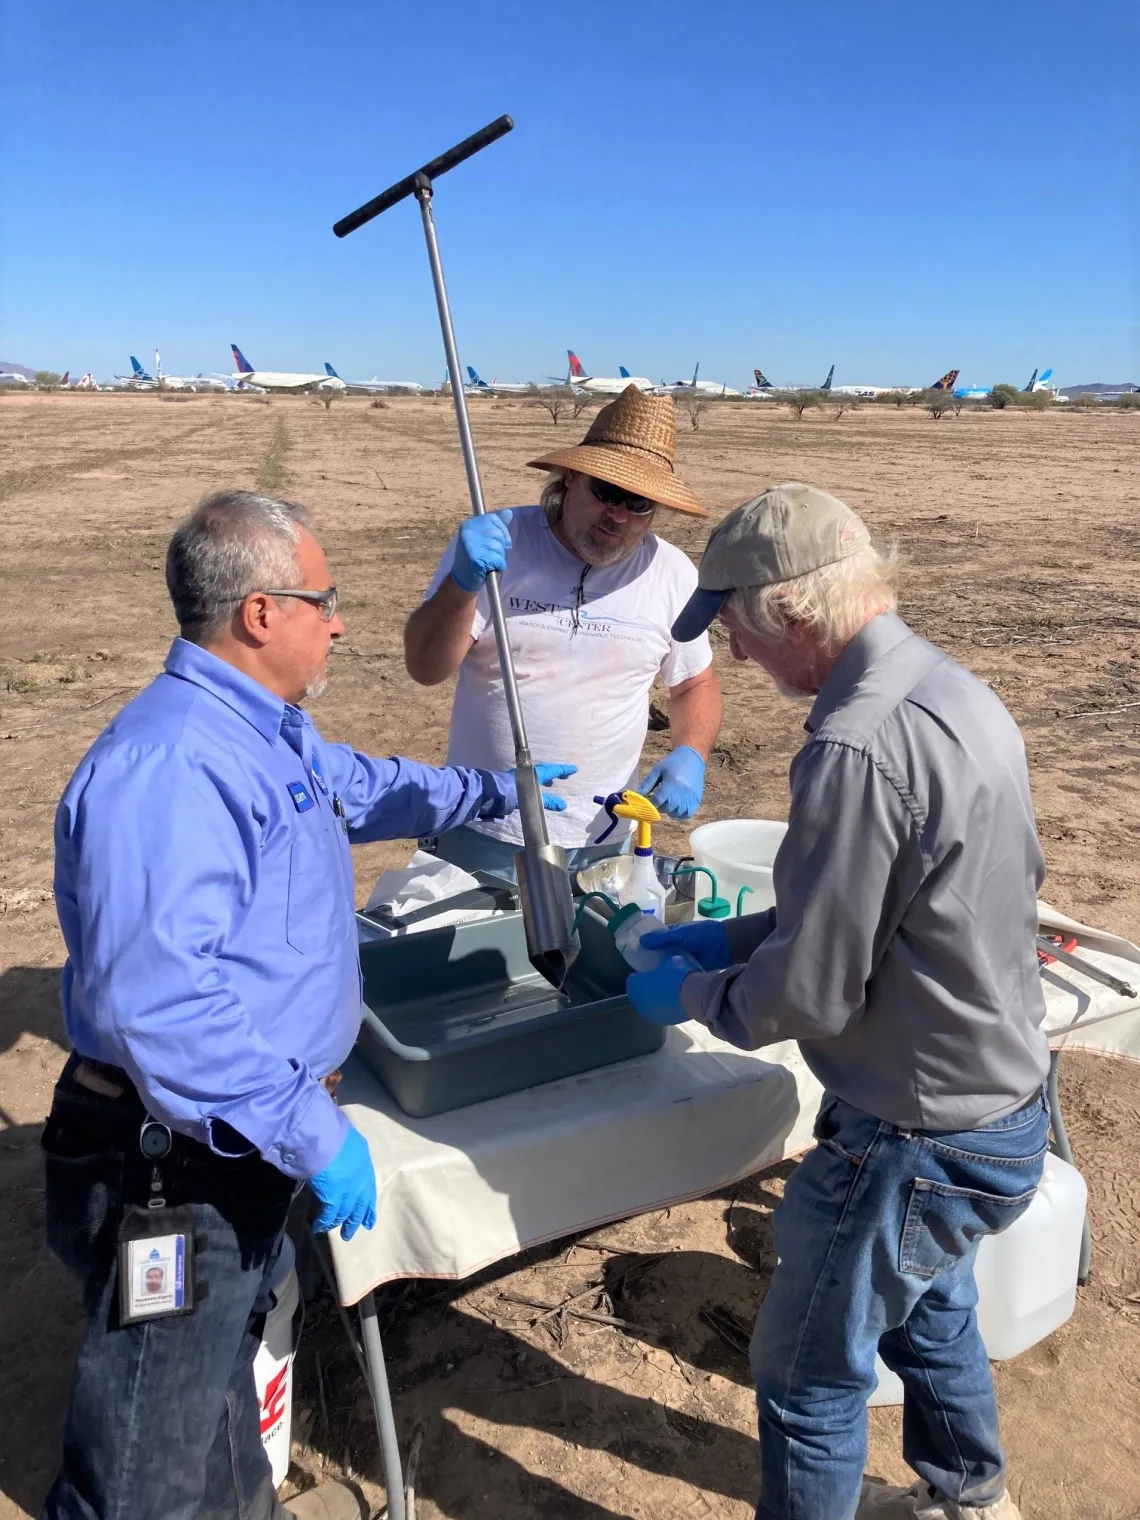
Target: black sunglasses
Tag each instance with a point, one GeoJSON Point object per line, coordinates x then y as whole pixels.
{"type": "Point", "coordinates": [616, 496]}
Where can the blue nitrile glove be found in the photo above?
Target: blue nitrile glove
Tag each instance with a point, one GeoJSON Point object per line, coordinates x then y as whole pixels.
{"type": "Point", "coordinates": [346, 1189]}
{"type": "Point", "coordinates": [677, 783]}
{"type": "Point", "coordinates": [656, 994]}
{"type": "Point", "coordinates": [481, 547]}
{"type": "Point", "coordinates": [546, 773]}
{"type": "Point", "coordinates": [704, 940]}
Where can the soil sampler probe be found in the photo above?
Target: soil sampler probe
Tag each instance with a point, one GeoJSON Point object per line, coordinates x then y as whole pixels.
{"type": "Point", "coordinates": [544, 882]}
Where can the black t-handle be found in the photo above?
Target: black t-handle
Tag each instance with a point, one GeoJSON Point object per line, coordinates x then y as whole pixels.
{"type": "Point", "coordinates": [405, 187]}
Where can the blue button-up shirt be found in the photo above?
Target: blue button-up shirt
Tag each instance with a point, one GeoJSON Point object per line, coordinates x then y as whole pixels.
{"type": "Point", "coordinates": [204, 887]}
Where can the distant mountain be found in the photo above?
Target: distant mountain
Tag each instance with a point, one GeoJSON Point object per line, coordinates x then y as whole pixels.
{"type": "Point", "coordinates": [16, 369]}
{"type": "Point", "coordinates": [1099, 386]}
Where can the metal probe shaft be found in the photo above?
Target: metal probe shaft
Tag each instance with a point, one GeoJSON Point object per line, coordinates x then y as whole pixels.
{"type": "Point", "coordinates": [423, 194]}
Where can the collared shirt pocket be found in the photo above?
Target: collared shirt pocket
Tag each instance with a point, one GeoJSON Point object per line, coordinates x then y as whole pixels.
{"type": "Point", "coordinates": [314, 890]}
{"type": "Point", "coordinates": [943, 1223]}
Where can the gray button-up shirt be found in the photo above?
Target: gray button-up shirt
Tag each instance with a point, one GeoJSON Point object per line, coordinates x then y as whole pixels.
{"type": "Point", "coordinates": [901, 951]}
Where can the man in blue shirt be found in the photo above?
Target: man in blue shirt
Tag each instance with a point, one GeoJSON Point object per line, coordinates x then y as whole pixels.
{"type": "Point", "coordinates": [205, 891]}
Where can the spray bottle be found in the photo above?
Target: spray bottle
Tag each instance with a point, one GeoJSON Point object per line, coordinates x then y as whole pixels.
{"type": "Point", "coordinates": [641, 896]}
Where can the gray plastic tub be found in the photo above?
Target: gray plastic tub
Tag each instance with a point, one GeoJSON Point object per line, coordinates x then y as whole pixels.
{"type": "Point", "coordinates": [456, 1015]}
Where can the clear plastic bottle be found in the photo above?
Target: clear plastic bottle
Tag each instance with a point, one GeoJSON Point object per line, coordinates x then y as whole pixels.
{"type": "Point", "coordinates": [628, 928]}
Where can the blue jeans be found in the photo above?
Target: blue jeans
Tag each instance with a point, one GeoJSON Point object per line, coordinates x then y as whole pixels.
{"type": "Point", "coordinates": [163, 1419]}
{"type": "Point", "coordinates": [472, 851]}
{"type": "Point", "coordinates": [876, 1235]}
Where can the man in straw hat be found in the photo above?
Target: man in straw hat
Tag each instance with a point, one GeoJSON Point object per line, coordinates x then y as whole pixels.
{"type": "Point", "coordinates": [589, 594]}
{"type": "Point", "coordinates": [901, 955]}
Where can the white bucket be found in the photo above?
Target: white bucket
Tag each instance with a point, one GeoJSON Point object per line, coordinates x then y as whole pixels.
{"type": "Point", "coordinates": [1026, 1276]}
{"type": "Point", "coordinates": [740, 852]}
{"type": "Point", "coordinates": [273, 1365]}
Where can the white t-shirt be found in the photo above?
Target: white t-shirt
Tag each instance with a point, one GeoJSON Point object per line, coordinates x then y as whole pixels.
{"type": "Point", "coordinates": [588, 644]}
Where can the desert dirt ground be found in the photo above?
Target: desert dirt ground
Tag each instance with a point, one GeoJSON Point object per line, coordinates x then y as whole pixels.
{"type": "Point", "coordinates": [1023, 561]}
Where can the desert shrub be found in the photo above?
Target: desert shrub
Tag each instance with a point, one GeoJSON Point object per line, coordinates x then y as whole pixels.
{"type": "Point", "coordinates": [800, 401]}
{"type": "Point", "coordinates": [47, 379]}
{"type": "Point", "coordinates": [556, 400]}
{"type": "Point", "coordinates": [1002, 396]}
{"type": "Point", "coordinates": [694, 406]}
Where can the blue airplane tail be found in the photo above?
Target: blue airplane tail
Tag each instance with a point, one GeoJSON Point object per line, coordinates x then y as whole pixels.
{"type": "Point", "coordinates": [475, 380]}
{"type": "Point", "coordinates": [762, 381]}
{"type": "Point", "coordinates": [137, 369]}
{"type": "Point", "coordinates": [1045, 376]}
{"type": "Point", "coordinates": [244, 367]}
{"type": "Point", "coordinates": [826, 386]}
{"type": "Point", "coordinates": [328, 368]}
{"type": "Point", "coordinates": [623, 372]}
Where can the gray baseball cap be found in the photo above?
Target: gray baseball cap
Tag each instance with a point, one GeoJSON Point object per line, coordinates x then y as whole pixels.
{"type": "Point", "coordinates": [785, 532]}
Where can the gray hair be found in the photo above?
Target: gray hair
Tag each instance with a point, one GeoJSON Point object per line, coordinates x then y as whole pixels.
{"type": "Point", "coordinates": [233, 543]}
{"type": "Point", "coordinates": [834, 602]}
{"type": "Point", "coordinates": [553, 495]}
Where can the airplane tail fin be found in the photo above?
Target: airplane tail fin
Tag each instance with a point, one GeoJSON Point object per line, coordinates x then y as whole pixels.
{"type": "Point", "coordinates": [328, 367]}
{"type": "Point", "coordinates": [762, 381]}
{"type": "Point", "coordinates": [946, 383]}
{"type": "Point", "coordinates": [474, 377]}
{"type": "Point", "coordinates": [244, 367]}
{"type": "Point", "coordinates": [826, 386]}
{"type": "Point", "coordinates": [1031, 382]}
{"type": "Point", "coordinates": [1045, 376]}
{"type": "Point", "coordinates": [136, 367]}
{"type": "Point", "coordinates": [623, 372]}
{"type": "Point", "coordinates": [576, 370]}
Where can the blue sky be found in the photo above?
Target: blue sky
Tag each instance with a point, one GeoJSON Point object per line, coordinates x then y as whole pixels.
{"type": "Point", "coordinates": [894, 187]}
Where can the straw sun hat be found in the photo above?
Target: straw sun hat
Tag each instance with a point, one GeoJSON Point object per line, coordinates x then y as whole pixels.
{"type": "Point", "coordinates": [630, 444]}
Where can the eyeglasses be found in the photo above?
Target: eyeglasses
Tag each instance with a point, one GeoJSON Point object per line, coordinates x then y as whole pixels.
{"type": "Point", "coordinates": [615, 496]}
{"type": "Point", "coordinates": [323, 601]}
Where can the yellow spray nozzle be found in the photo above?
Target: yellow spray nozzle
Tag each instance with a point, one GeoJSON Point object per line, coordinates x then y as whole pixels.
{"type": "Point", "coordinates": [633, 805]}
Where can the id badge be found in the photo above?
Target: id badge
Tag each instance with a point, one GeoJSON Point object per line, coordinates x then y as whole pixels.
{"type": "Point", "coordinates": [156, 1264]}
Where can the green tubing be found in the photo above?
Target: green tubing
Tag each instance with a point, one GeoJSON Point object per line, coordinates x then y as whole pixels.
{"type": "Point", "coordinates": [714, 906]}
{"type": "Point", "coordinates": [601, 897]}
{"type": "Point", "coordinates": [740, 896]}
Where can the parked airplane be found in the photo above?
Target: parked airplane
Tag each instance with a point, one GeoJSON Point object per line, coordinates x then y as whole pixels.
{"type": "Point", "coordinates": [137, 380]}
{"type": "Point", "coordinates": [602, 385]}
{"type": "Point", "coordinates": [9, 377]}
{"type": "Point", "coordinates": [280, 380]}
{"type": "Point", "coordinates": [186, 382]}
{"type": "Point", "coordinates": [980, 392]}
{"type": "Point", "coordinates": [765, 390]}
{"type": "Point", "coordinates": [497, 387]}
{"type": "Point", "coordinates": [701, 387]}
{"type": "Point", "coordinates": [374, 386]}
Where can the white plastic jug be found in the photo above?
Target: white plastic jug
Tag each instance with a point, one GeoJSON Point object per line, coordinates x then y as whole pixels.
{"type": "Point", "coordinates": [273, 1365]}
{"type": "Point", "coordinates": [1026, 1276]}
{"type": "Point", "coordinates": [740, 852]}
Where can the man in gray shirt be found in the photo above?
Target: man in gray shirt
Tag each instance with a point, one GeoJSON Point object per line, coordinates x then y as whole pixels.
{"type": "Point", "coordinates": [901, 955]}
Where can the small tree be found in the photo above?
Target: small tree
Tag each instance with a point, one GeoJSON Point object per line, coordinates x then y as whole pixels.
{"type": "Point", "coordinates": [892, 398]}
{"type": "Point", "coordinates": [327, 398]}
{"type": "Point", "coordinates": [1002, 396]}
{"type": "Point", "coordinates": [694, 406]}
{"type": "Point", "coordinates": [844, 404]}
{"type": "Point", "coordinates": [799, 401]}
{"type": "Point", "coordinates": [555, 401]}
{"type": "Point", "coordinates": [46, 379]}
{"type": "Point", "coordinates": [1034, 401]}
{"type": "Point", "coordinates": [579, 404]}
{"type": "Point", "coordinates": [938, 403]}
{"type": "Point", "coordinates": [1128, 402]}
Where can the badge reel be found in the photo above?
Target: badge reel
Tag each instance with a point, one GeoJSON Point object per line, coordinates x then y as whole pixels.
{"type": "Point", "coordinates": [156, 1244]}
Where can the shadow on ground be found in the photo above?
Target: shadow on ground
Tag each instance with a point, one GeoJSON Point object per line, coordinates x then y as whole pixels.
{"type": "Point", "coordinates": [40, 1313]}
